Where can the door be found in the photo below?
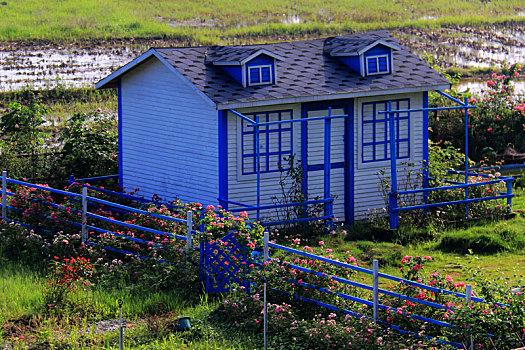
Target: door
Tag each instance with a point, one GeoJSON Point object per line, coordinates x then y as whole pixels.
{"type": "Point", "coordinates": [313, 150]}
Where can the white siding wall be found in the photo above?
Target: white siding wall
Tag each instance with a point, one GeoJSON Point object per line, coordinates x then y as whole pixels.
{"type": "Point", "coordinates": [169, 136]}
{"type": "Point", "coordinates": [243, 188]}
{"type": "Point", "coordinates": [367, 195]}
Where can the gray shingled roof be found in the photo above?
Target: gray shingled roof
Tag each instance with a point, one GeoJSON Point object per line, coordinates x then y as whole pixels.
{"type": "Point", "coordinates": [346, 44]}
{"type": "Point", "coordinates": [229, 54]}
{"type": "Point", "coordinates": [307, 73]}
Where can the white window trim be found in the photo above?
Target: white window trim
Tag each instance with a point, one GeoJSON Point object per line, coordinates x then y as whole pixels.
{"type": "Point", "coordinates": [296, 144]}
{"type": "Point", "coordinates": [377, 62]}
{"type": "Point", "coordinates": [260, 74]}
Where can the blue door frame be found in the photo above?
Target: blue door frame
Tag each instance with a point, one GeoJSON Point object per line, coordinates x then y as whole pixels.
{"type": "Point", "coordinates": [347, 165]}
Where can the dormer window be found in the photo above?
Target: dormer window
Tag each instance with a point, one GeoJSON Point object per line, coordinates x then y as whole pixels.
{"type": "Point", "coordinates": [259, 75]}
{"type": "Point", "coordinates": [250, 66]}
{"type": "Point", "coordinates": [370, 55]}
{"type": "Point", "coordinates": [377, 65]}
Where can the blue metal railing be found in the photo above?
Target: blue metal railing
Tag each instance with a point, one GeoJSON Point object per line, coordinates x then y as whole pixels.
{"type": "Point", "coordinates": [394, 209]}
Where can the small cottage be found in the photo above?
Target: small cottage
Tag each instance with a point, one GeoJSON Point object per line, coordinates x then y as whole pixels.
{"type": "Point", "coordinates": [185, 115]}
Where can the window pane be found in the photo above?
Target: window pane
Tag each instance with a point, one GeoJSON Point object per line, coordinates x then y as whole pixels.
{"type": "Point", "coordinates": [383, 64]}
{"type": "Point", "coordinates": [372, 65]}
{"type": "Point", "coordinates": [403, 149]}
{"type": "Point", "coordinates": [265, 74]}
{"type": "Point", "coordinates": [368, 153]}
{"type": "Point", "coordinates": [248, 166]}
{"type": "Point", "coordinates": [368, 132]}
{"type": "Point", "coordinates": [254, 75]}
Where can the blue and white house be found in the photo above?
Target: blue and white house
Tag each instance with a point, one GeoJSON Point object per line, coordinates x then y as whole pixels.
{"type": "Point", "coordinates": [212, 124]}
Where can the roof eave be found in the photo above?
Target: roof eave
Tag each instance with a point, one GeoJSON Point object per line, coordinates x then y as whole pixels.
{"type": "Point", "coordinates": [375, 43]}
{"type": "Point", "coordinates": [334, 96]}
{"type": "Point", "coordinates": [344, 54]}
{"type": "Point", "coordinates": [261, 52]}
{"type": "Point", "coordinates": [226, 63]}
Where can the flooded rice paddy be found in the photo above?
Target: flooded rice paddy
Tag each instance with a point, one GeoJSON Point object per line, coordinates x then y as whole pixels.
{"type": "Point", "coordinates": [43, 65]}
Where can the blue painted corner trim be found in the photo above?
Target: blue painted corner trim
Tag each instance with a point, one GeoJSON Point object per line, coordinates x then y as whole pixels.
{"type": "Point", "coordinates": [223, 158]}
{"type": "Point", "coordinates": [425, 141]}
{"type": "Point", "coordinates": [349, 160]}
{"type": "Point", "coordinates": [120, 169]}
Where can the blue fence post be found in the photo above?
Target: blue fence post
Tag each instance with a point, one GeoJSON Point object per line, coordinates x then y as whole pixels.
{"type": "Point", "coordinates": [71, 179]}
{"type": "Point", "coordinates": [189, 223]}
{"type": "Point", "coordinates": [466, 157]}
{"type": "Point", "coordinates": [84, 214]}
{"type": "Point", "coordinates": [203, 249]}
{"type": "Point", "coordinates": [258, 165]}
{"type": "Point", "coordinates": [4, 195]}
{"type": "Point", "coordinates": [376, 288]}
{"type": "Point", "coordinates": [266, 257]}
{"type": "Point", "coordinates": [468, 297]}
{"type": "Point", "coordinates": [392, 195]}
{"type": "Point", "coordinates": [509, 192]}
{"type": "Point", "coordinates": [327, 168]}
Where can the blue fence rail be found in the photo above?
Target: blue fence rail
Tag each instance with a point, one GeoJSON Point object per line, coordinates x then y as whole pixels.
{"type": "Point", "coordinates": [395, 209]}
{"type": "Point", "coordinates": [212, 259]}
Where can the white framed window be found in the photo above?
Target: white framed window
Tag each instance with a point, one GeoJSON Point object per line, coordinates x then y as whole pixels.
{"type": "Point", "coordinates": [374, 132]}
{"type": "Point", "coordinates": [259, 75]}
{"type": "Point", "coordinates": [377, 65]}
{"type": "Point", "coordinates": [275, 143]}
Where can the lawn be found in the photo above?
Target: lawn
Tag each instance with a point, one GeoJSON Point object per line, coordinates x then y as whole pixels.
{"type": "Point", "coordinates": [228, 21]}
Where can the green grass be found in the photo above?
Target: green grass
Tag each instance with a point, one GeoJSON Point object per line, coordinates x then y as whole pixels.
{"type": "Point", "coordinates": [20, 305]}
{"type": "Point", "coordinates": [18, 289]}
{"type": "Point", "coordinates": [226, 20]}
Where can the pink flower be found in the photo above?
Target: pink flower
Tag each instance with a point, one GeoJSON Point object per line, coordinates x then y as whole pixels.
{"type": "Point", "coordinates": [321, 243]}
{"type": "Point", "coordinates": [489, 129]}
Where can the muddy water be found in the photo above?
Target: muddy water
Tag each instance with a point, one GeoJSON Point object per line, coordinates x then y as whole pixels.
{"type": "Point", "coordinates": [41, 66]}
{"type": "Point", "coordinates": [468, 47]}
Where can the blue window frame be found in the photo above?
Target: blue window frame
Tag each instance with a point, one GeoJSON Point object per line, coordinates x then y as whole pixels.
{"type": "Point", "coordinates": [377, 65]}
{"type": "Point", "coordinates": [375, 134]}
{"type": "Point", "coordinates": [275, 142]}
{"type": "Point", "coordinates": [258, 75]}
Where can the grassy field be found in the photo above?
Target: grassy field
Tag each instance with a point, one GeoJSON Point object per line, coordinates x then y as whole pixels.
{"type": "Point", "coordinates": [230, 21]}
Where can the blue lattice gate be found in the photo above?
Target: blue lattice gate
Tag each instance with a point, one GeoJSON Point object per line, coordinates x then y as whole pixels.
{"type": "Point", "coordinates": [225, 263]}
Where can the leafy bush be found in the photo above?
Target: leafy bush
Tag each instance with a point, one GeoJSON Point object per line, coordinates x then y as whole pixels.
{"type": "Point", "coordinates": [495, 124]}
{"type": "Point", "coordinates": [22, 142]}
{"type": "Point", "coordinates": [90, 145]}
{"type": "Point", "coordinates": [67, 290]}
{"type": "Point", "coordinates": [35, 248]}
{"type": "Point", "coordinates": [87, 145]}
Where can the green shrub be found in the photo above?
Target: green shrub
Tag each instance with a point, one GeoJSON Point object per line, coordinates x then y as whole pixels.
{"type": "Point", "coordinates": [90, 145]}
